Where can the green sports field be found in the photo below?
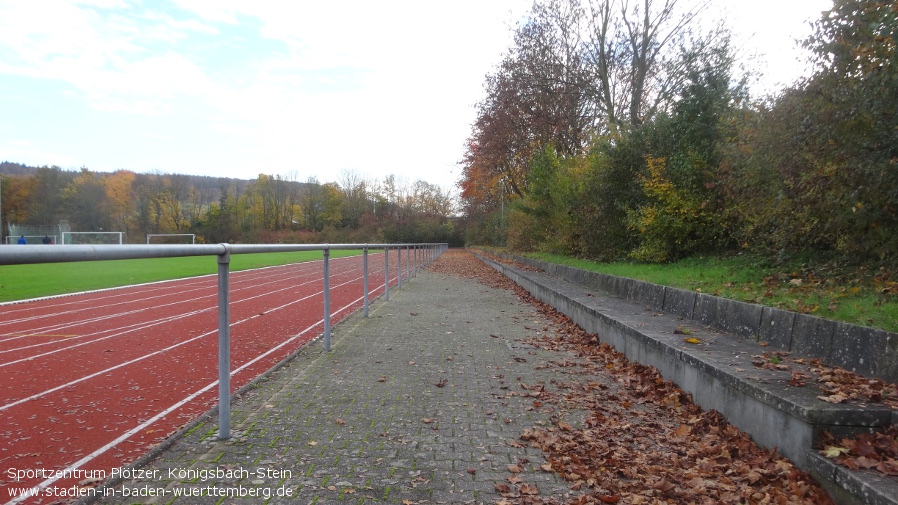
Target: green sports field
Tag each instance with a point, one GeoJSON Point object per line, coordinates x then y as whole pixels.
{"type": "Point", "coordinates": [19, 282]}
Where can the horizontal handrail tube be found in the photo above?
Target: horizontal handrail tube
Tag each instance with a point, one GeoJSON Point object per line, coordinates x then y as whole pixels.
{"type": "Point", "coordinates": [31, 254]}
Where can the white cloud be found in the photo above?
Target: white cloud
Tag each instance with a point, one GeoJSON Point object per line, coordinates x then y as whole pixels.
{"type": "Point", "coordinates": [265, 86]}
{"type": "Point", "coordinates": [769, 30]}
{"type": "Point", "coordinates": [22, 149]}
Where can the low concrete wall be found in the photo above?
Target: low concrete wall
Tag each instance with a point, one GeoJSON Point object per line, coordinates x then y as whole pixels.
{"type": "Point", "coordinates": [867, 351]}
{"type": "Point", "coordinates": [775, 414]}
{"type": "Point", "coordinates": [720, 375]}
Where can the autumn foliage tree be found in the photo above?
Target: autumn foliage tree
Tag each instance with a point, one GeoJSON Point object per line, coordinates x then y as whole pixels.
{"type": "Point", "coordinates": [853, 120]}
{"type": "Point", "coordinates": [269, 208]}
{"type": "Point", "coordinates": [815, 169]}
{"type": "Point", "coordinates": [658, 152]}
{"type": "Point", "coordinates": [586, 80]}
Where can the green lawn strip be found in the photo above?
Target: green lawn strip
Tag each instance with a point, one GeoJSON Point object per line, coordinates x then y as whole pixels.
{"type": "Point", "coordinates": [20, 282]}
{"type": "Point", "coordinates": [856, 297]}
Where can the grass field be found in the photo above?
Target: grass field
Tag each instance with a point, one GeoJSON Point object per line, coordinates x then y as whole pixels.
{"type": "Point", "coordinates": [857, 294]}
{"type": "Point", "coordinates": [20, 282]}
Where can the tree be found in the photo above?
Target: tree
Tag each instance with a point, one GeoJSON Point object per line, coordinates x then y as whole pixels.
{"type": "Point", "coordinates": [430, 199]}
{"type": "Point", "coordinates": [582, 79]}
{"type": "Point", "coordinates": [173, 203]}
{"type": "Point", "coordinates": [535, 98]}
{"type": "Point", "coordinates": [321, 205]}
{"type": "Point", "coordinates": [222, 223]}
{"type": "Point", "coordinates": [86, 203]}
{"type": "Point", "coordinates": [637, 56]}
{"type": "Point", "coordinates": [15, 200]}
{"type": "Point", "coordinates": [271, 202]}
{"type": "Point", "coordinates": [45, 202]}
{"type": "Point", "coordinates": [355, 196]}
{"type": "Point", "coordinates": [160, 203]}
{"type": "Point", "coordinates": [852, 113]}
{"type": "Point", "coordinates": [121, 201]}
{"type": "Point", "coordinates": [542, 219]}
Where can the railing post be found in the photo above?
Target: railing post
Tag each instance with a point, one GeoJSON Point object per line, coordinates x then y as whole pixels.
{"type": "Point", "coordinates": [224, 345]}
{"type": "Point", "coordinates": [387, 274]}
{"type": "Point", "coordinates": [365, 288]}
{"type": "Point", "coordinates": [399, 270]}
{"type": "Point", "coordinates": [408, 262]}
{"type": "Point", "coordinates": [327, 301]}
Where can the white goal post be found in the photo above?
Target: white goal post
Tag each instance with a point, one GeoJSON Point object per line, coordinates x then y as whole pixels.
{"type": "Point", "coordinates": [92, 237]}
{"type": "Point", "coordinates": [173, 236]}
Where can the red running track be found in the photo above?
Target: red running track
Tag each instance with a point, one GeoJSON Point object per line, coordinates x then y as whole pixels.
{"type": "Point", "coordinates": [93, 381]}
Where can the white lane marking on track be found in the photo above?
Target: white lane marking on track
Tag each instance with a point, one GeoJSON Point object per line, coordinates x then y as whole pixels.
{"type": "Point", "coordinates": [239, 278]}
{"type": "Point", "coordinates": [57, 313]}
{"type": "Point", "coordinates": [124, 436]}
{"type": "Point", "coordinates": [134, 327]}
{"type": "Point", "coordinates": [141, 358]}
{"type": "Point", "coordinates": [56, 328]}
{"type": "Point", "coordinates": [71, 345]}
{"type": "Point", "coordinates": [179, 344]}
{"type": "Point", "coordinates": [69, 313]}
{"type": "Point", "coordinates": [129, 330]}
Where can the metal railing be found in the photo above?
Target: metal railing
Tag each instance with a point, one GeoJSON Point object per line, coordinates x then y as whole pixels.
{"type": "Point", "coordinates": [423, 254]}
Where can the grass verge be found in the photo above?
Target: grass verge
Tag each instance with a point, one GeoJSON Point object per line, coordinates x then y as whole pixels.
{"type": "Point", "coordinates": [20, 282]}
{"type": "Point", "coordinates": [858, 295]}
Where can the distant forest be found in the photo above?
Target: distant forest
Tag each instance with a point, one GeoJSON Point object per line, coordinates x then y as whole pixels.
{"type": "Point", "coordinates": [268, 209]}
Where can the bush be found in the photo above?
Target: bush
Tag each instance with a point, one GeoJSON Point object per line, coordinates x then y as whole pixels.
{"type": "Point", "coordinates": [673, 222]}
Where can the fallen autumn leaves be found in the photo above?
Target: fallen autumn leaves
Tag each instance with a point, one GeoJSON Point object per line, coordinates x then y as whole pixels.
{"type": "Point", "coordinates": [639, 440]}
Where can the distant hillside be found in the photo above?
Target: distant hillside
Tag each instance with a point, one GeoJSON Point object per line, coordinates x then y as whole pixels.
{"type": "Point", "coordinates": [10, 168]}
{"type": "Point", "coordinates": [198, 181]}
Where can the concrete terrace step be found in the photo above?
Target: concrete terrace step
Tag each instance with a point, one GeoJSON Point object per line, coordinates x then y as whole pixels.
{"type": "Point", "coordinates": [718, 371]}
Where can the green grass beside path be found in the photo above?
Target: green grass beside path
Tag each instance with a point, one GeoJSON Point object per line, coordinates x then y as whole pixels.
{"type": "Point", "coordinates": [857, 295]}
{"type": "Point", "coordinates": [20, 282]}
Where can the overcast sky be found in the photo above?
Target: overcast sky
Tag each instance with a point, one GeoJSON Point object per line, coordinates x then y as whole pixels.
{"type": "Point", "coordinates": [297, 88]}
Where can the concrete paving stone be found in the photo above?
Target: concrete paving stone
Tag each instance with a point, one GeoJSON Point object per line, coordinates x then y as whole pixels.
{"type": "Point", "coordinates": [416, 403]}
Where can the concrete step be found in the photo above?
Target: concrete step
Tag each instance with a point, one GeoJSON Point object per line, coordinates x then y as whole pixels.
{"type": "Point", "coordinates": [718, 371]}
{"type": "Point", "coordinates": [851, 487]}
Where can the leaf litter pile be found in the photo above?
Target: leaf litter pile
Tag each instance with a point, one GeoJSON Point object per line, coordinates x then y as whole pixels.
{"type": "Point", "coordinates": [877, 451]}
{"type": "Point", "coordinates": [641, 440]}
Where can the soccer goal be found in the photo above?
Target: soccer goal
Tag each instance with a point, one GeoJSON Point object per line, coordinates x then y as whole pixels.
{"type": "Point", "coordinates": [92, 237]}
{"type": "Point", "coordinates": [171, 238]}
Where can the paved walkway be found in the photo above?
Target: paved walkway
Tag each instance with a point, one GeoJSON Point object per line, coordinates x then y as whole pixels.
{"type": "Point", "coordinates": [422, 402]}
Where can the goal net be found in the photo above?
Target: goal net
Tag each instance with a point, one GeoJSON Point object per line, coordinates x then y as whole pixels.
{"type": "Point", "coordinates": [92, 237]}
{"type": "Point", "coordinates": [32, 239]}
